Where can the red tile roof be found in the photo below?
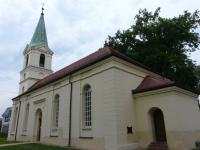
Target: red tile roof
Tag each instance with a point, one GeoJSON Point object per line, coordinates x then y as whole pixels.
{"type": "Point", "coordinates": [151, 83]}
{"type": "Point", "coordinates": [93, 58]}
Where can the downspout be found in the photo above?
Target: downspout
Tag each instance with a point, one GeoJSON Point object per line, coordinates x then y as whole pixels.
{"type": "Point", "coordinates": [70, 111]}
{"type": "Point", "coordinates": [17, 120]}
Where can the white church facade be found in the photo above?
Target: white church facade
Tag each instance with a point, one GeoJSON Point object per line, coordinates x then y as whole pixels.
{"type": "Point", "coordinates": [105, 101]}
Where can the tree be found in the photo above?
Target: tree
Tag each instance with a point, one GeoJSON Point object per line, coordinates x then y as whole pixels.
{"type": "Point", "coordinates": [162, 44]}
{"type": "Point", "coordinates": [197, 73]}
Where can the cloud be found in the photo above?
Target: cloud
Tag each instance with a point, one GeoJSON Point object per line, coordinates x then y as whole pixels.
{"type": "Point", "coordinates": [74, 29]}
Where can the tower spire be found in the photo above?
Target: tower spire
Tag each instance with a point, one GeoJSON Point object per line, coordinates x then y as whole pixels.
{"type": "Point", "coordinates": [37, 56]}
{"type": "Point", "coordinates": [40, 36]}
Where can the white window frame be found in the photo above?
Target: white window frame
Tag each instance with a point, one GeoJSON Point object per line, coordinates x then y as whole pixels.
{"type": "Point", "coordinates": [56, 109]}
{"type": "Point", "coordinates": [87, 107]}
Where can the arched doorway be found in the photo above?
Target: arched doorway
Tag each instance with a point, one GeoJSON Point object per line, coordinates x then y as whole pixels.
{"type": "Point", "coordinates": [38, 124]}
{"type": "Point", "coordinates": [158, 125]}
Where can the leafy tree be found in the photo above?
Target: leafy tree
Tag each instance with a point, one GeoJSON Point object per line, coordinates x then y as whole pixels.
{"type": "Point", "coordinates": [197, 73]}
{"type": "Point", "coordinates": [162, 44]}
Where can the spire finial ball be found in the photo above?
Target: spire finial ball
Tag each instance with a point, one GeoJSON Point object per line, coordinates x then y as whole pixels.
{"type": "Point", "coordinates": [42, 9]}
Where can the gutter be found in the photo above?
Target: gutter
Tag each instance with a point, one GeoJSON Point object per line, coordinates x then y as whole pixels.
{"type": "Point", "coordinates": [70, 111]}
{"type": "Point", "coordinates": [17, 120]}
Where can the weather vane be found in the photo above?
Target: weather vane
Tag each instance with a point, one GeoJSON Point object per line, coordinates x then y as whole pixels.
{"type": "Point", "coordinates": [42, 8]}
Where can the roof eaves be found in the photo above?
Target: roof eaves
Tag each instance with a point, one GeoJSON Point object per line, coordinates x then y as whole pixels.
{"type": "Point", "coordinates": [135, 91]}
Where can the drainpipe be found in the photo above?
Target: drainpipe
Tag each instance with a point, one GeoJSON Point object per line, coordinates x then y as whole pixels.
{"type": "Point", "coordinates": [70, 111]}
{"type": "Point", "coordinates": [17, 120]}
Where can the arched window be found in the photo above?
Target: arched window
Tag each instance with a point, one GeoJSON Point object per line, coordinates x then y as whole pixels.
{"type": "Point", "coordinates": [87, 107]}
{"type": "Point", "coordinates": [56, 111]}
{"type": "Point", "coordinates": [14, 119]}
{"type": "Point", "coordinates": [42, 60]}
{"type": "Point", "coordinates": [26, 117]}
{"type": "Point", "coordinates": [27, 56]}
{"type": "Point", "coordinates": [24, 75]}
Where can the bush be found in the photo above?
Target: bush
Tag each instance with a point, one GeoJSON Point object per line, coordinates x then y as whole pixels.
{"type": "Point", "coordinates": [3, 135]}
{"type": "Point", "coordinates": [197, 144]}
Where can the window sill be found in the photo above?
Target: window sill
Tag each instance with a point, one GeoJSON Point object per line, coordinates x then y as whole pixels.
{"type": "Point", "coordinates": [53, 135]}
{"type": "Point", "coordinates": [87, 128]}
{"type": "Point", "coordinates": [24, 133]}
{"type": "Point", "coordinates": [82, 137]}
{"type": "Point", "coordinates": [54, 132]}
{"type": "Point", "coordinates": [12, 133]}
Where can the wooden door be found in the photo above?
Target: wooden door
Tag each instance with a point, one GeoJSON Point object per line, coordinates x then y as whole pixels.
{"type": "Point", "coordinates": [159, 124]}
{"type": "Point", "coordinates": [39, 128]}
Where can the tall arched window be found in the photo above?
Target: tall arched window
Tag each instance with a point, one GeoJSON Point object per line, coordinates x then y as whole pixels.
{"type": "Point", "coordinates": [26, 117]}
{"type": "Point", "coordinates": [56, 111]}
{"type": "Point", "coordinates": [27, 56]}
{"type": "Point", "coordinates": [14, 119]}
{"type": "Point", "coordinates": [87, 107]}
{"type": "Point", "coordinates": [42, 60]}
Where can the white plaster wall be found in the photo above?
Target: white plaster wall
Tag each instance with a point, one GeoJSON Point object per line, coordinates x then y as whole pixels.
{"type": "Point", "coordinates": [33, 74]}
{"type": "Point", "coordinates": [33, 71]}
{"type": "Point", "coordinates": [11, 135]}
{"type": "Point", "coordinates": [34, 57]}
{"type": "Point", "coordinates": [103, 113]}
{"type": "Point", "coordinates": [104, 126]}
{"type": "Point", "coordinates": [181, 116]}
{"type": "Point", "coordinates": [125, 82]}
{"type": "Point", "coordinates": [48, 61]}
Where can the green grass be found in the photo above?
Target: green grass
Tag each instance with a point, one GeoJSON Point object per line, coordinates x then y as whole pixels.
{"type": "Point", "coordinates": [3, 140]}
{"type": "Point", "coordinates": [33, 147]}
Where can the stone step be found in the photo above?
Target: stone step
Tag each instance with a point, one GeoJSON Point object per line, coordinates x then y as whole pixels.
{"type": "Point", "coordinates": [158, 146]}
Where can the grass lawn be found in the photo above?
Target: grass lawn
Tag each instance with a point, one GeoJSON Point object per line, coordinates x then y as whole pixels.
{"type": "Point", "coordinates": [4, 141]}
{"type": "Point", "coordinates": [33, 147]}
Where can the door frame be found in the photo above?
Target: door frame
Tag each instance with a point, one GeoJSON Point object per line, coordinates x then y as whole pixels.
{"type": "Point", "coordinates": [158, 130]}
{"type": "Point", "coordinates": [38, 124]}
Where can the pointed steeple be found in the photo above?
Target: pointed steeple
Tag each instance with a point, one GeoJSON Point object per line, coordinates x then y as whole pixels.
{"type": "Point", "coordinates": [37, 56]}
{"type": "Point", "coordinates": [40, 36]}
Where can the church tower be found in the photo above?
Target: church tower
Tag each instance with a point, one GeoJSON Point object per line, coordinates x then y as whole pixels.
{"type": "Point", "coordinates": [37, 58]}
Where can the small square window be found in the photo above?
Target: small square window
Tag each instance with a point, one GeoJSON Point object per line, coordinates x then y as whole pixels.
{"type": "Point", "coordinates": [129, 130]}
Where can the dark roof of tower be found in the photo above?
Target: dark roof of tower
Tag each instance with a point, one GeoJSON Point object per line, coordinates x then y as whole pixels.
{"type": "Point", "coordinates": [40, 36]}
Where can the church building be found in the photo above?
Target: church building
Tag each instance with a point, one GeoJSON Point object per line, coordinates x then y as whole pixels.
{"type": "Point", "coordinates": [104, 101]}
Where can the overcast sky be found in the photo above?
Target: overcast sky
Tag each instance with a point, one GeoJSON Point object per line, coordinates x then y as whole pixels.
{"type": "Point", "coordinates": [75, 28]}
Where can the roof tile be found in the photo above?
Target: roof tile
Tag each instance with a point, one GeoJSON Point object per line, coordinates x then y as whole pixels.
{"type": "Point", "coordinates": [151, 83]}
